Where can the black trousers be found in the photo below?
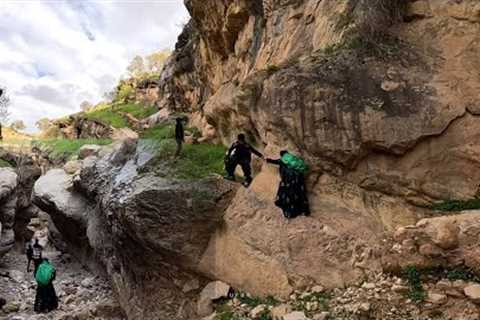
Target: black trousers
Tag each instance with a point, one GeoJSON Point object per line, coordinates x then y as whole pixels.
{"type": "Point", "coordinates": [231, 165]}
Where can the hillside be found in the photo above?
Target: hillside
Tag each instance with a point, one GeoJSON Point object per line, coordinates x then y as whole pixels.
{"type": "Point", "coordinates": [381, 100]}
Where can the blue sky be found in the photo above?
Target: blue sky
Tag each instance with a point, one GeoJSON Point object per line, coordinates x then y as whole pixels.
{"type": "Point", "coordinates": [56, 54]}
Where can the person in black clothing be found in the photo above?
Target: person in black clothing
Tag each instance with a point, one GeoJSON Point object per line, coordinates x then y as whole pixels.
{"type": "Point", "coordinates": [36, 255]}
{"type": "Point", "coordinates": [179, 136]}
{"type": "Point", "coordinates": [29, 254]}
{"type": "Point", "coordinates": [240, 153]}
{"type": "Point", "coordinates": [46, 299]}
{"type": "Point", "coordinates": [291, 194]}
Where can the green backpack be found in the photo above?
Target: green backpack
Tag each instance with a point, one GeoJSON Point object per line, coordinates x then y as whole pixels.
{"type": "Point", "coordinates": [294, 162]}
{"type": "Point", "coordinates": [44, 273]}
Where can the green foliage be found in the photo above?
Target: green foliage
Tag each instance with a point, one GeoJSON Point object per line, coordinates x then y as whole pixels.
{"type": "Point", "coordinates": [111, 114]}
{"type": "Point", "coordinates": [66, 148]}
{"type": "Point", "coordinates": [416, 292]}
{"type": "Point", "coordinates": [124, 92]}
{"type": "Point", "coordinates": [107, 115]}
{"type": "Point", "coordinates": [196, 160]}
{"type": "Point", "coordinates": [457, 205]}
{"type": "Point", "coordinates": [200, 160]}
{"type": "Point", "coordinates": [252, 302]}
{"type": "Point", "coordinates": [4, 164]}
{"type": "Point", "coordinates": [160, 132]}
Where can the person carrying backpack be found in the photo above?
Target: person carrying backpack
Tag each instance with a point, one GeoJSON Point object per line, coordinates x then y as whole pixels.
{"type": "Point", "coordinates": [292, 194]}
{"type": "Point", "coordinates": [46, 299]}
{"type": "Point", "coordinates": [240, 153]}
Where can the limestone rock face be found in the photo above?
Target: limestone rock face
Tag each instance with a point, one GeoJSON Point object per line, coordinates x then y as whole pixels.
{"type": "Point", "coordinates": [444, 241]}
{"type": "Point", "coordinates": [392, 123]}
{"type": "Point", "coordinates": [141, 226]}
{"type": "Point", "coordinates": [8, 201]}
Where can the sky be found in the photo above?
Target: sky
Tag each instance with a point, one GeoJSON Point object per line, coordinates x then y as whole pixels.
{"type": "Point", "coordinates": [54, 54]}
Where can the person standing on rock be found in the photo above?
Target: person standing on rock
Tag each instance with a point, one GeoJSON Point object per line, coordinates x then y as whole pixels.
{"type": "Point", "coordinates": [29, 254]}
{"type": "Point", "coordinates": [46, 299]}
{"type": "Point", "coordinates": [36, 255]}
{"type": "Point", "coordinates": [179, 136]}
{"type": "Point", "coordinates": [240, 153]}
{"type": "Point", "coordinates": [291, 194]}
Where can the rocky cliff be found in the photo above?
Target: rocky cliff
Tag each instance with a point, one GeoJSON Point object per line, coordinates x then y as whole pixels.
{"type": "Point", "coordinates": [379, 97]}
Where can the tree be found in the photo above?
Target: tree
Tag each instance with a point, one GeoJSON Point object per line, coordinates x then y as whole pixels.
{"type": "Point", "coordinates": [136, 68]}
{"type": "Point", "coordinates": [4, 104]}
{"type": "Point", "coordinates": [43, 124]}
{"type": "Point", "coordinates": [85, 106]}
{"type": "Point", "coordinates": [156, 61]}
{"type": "Point", "coordinates": [18, 125]}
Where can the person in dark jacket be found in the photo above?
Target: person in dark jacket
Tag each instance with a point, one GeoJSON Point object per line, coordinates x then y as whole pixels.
{"type": "Point", "coordinates": [179, 136]}
{"type": "Point", "coordinates": [46, 299]}
{"type": "Point", "coordinates": [240, 153]}
{"type": "Point", "coordinates": [291, 194]}
{"type": "Point", "coordinates": [29, 254]}
{"type": "Point", "coordinates": [36, 255]}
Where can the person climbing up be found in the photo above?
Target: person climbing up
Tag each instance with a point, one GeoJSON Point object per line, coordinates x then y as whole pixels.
{"type": "Point", "coordinates": [29, 254]}
{"type": "Point", "coordinates": [179, 136]}
{"type": "Point", "coordinates": [240, 153]}
{"type": "Point", "coordinates": [36, 255]}
{"type": "Point", "coordinates": [291, 194]}
{"type": "Point", "coordinates": [46, 299]}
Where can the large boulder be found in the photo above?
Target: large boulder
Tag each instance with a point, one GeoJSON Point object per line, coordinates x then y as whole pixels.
{"type": "Point", "coordinates": [137, 225]}
{"type": "Point", "coordinates": [447, 242]}
{"type": "Point", "coordinates": [8, 204]}
{"type": "Point", "coordinates": [68, 210]}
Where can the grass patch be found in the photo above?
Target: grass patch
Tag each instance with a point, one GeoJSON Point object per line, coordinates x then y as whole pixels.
{"type": "Point", "coordinates": [111, 114]}
{"type": "Point", "coordinates": [196, 160]}
{"type": "Point", "coordinates": [4, 164]}
{"type": "Point", "coordinates": [200, 160]}
{"type": "Point", "coordinates": [416, 292]}
{"type": "Point", "coordinates": [160, 132]}
{"type": "Point", "coordinates": [107, 115]}
{"type": "Point", "coordinates": [253, 302]}
{"type": "Point", "coordinates": [457, 205]}
{"type": "Point", "coordinates": [66, 148]}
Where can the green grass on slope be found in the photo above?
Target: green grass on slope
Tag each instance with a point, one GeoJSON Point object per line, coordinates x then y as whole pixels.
{"type": "Point", "coordinates": [196, 161]}
{"type": "Point", "coordinates": [457, 205]}
{"type": "Point", "coordinates": [66, 148]}
{"type": "Point", "coordinates": [4, 164]}
{"type": "Point", "coordinates": [111, 114]}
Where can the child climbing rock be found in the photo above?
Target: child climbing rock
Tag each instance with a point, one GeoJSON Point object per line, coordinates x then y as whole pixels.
{"type": "Point", "coordinates": [240, 153]}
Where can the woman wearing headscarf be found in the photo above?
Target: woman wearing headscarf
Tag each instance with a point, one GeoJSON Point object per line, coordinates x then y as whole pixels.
{"type": "Point", "coordinates": [292, 194]}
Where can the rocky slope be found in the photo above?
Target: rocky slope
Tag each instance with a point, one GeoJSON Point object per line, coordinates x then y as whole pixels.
{"type": "Point", "coordinates": [388, 127]}
{"type": "Point", "coordinates": [382, 104]}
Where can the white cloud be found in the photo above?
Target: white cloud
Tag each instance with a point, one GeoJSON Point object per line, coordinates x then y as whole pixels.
{"type": "Point", "coordinates": [56, 54]}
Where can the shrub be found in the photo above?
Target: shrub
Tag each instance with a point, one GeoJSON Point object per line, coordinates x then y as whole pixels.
{"type": "Point", "coordinates": [457, 205]}
{"type": "Point", "coordinates": [416, 292]}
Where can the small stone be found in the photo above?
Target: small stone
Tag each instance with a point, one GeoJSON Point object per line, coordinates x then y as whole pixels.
{"type": "Point", "coordinates": [399, 288]}
{"type": "Point", "coordinates": [364, 307]}
{"type": "Point", "coordinates": [318, 289]}
{"type": "Point", "coordinates": [257, 311]}
{"type": "Point", "coordinates": [436, 298]}
{"type": "Point", "coordinates": [281, 310]}
{"type": "Point", "coordinates": [88, 282]}
{"type": "Point", "coordinates": [191, 285]}
{"type": "Point", "coordinates": [296, 315]}
{"type": "Point", "coordinates": [473, 292]}
{"type": "Point", "coordinates": [11, 307]}
{"type": "Point", "coordinates": [368, 285]}
{"type": "Point", "coordinates": [321, 316]}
